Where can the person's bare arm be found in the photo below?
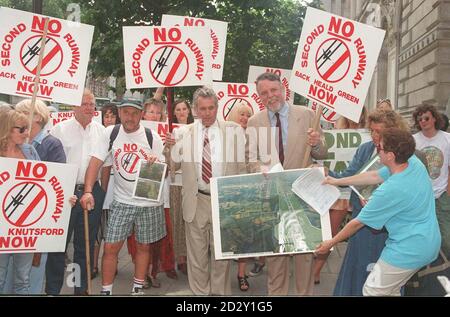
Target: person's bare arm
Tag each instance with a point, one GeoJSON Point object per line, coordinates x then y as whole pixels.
{"type": "Point", "coordinates": [350, 229]}
{"type": "Point", "coordinates": [367, 178]}
{"type": "Point", "coordinates": [87, 200]}
{"type": "Point", "coordinates": [159, 93]}
{"type": "Point", "coordinates": [104, 178]}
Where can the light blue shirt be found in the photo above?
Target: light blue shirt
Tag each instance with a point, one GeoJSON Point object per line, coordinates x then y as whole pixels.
{"type": "Point", "coordinates": [284, 111]}
{"type": "Point", "coordinates": [39, 137]}
{"type": "Point", "coordinates": [404, 204]}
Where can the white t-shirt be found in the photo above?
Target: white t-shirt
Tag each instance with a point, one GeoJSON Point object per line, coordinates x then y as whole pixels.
{"type": "Point", "coordinates": [127, 150]}
{"type": "Point", "coordinates": [78, 142]}
{"type": "Point", "coordinates": [437, 151]}
{"type": "Point", "coordinates": [109, 192]}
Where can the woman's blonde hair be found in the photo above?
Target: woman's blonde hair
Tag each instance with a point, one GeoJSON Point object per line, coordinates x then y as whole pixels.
{"type": "Point", "coordinates": [40, 109]}
{"type": "Point", "coordinates": [158, 103]}
{"type": "Point", "coordinates": [9, 119]}
{"type": "Point", "coordinates": [389, 118]}
{"type": "Point", "coordinates": [344, 123]}
{"type": "Point", "coordinates": [234, 114]}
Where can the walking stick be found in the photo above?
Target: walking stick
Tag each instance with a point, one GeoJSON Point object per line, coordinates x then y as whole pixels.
{"type": "Point", "coordinates": [88, 251]}
{"type": "Point", "coordinates": [315, 127]}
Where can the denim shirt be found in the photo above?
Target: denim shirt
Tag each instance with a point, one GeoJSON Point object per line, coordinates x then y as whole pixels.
{"type": "Point", "coordinates": [49, 148]}
{"type": "Point", "coordinates": [29, 152]}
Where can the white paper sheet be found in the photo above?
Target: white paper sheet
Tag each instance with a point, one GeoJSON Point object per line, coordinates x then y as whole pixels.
{"type": "Point", "coordinates": [309, 188]}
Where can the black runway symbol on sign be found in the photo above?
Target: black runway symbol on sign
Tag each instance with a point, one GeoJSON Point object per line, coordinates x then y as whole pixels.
{"type": "Point", "coordinates": [24, 204]}
{"type": "Point", "coordinates": [169, 65]}
{"type": "Point", "coordinates": [18, 199]}
{"type": "Point", "coordinates": [333, 60]}
{"type": "Point", "coordinates": [51, 61]}
{"type": "Point", "coordinates": [33, 51]}
{"type": "Point", "coordinates": [161, 62]}
{"type": "Point", "coordinates": [326, 56]}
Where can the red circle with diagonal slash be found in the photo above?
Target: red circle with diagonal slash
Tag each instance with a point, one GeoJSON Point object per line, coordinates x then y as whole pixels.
{"type": "Point", "coordinates": [24, 204]}
{"type": "Point", "coordinates": [51, 61]}
{"type": "Point", "coordinates": [169, 65]}
{"type": "Point", "coordinates": [328, 114]}
{"type": "Point", "coordinates": [333, 60]}
{"type": "Point", "coordinates": [129, 162]}
{"type": "Point", "coordinates": [231, 103]}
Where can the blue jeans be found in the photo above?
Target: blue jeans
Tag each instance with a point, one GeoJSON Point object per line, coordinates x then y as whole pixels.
{"type": "Point", "coordinates": [21, 267]}
{"type": "Point", "coordinates": [37, 276]}
{"type": "Point", "coordinates": [55, 267]}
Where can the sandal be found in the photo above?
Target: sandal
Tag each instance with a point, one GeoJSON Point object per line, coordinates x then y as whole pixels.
{"type": "Point", "coordinates": [243, 283]}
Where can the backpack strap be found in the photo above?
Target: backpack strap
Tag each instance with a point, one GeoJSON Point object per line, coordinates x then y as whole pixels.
{"type": "Point", "coordinates": [115, 132]}
{"type": "Point", "coordinates": [113, 136]}
{"type": "Point", "coordinates": [149, 135]}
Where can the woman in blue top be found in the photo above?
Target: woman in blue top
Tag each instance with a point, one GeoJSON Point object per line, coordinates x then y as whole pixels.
{"type": "Point", "coordinates": [50, 149]}
{"type": "Point", "coordinates": [364, 248]}
{"type": "Point", "coordinates": [14, 131]}
{"type": "Point", "coordinates": [404, 205]}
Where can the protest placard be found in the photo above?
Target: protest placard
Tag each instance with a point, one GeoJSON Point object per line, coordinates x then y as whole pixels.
{"type": "Point", "coordinates": [232, 94]}
{"type": "Point", "coordinates": [218, 36]}
{"type": "Point", "coordinates": [162, 128]}
{"type": "Point", "coordinates": [335, 61]}
{"type": "Point", "coordinates": [166, 56]}
{"type": "Point", "coordinates": [328, 115]}
{"type": "Point", "coordinates": [57, 117]}
{"type": "Point", "coordinates": [65, 60]}
{"type": "Point", "coordinates": [35, 208]}
{"type": "Point", "coordinates": [284, 74]}
{"type": "Point", "coordinates": [342, 146]}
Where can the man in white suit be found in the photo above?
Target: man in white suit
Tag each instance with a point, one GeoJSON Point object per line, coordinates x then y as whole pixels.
{"type": "Point", "coordinates": [203, 150]}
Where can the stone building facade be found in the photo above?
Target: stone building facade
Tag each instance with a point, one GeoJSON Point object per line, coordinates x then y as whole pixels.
{"type": "Point", "coordinates": [414, 64]}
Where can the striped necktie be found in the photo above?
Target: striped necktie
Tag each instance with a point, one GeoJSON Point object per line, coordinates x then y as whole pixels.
{"type": "Point", "coordinates": [206, 160]}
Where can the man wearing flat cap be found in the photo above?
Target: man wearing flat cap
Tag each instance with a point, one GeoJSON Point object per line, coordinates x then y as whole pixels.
{"type": "Point", "coordinates": [125, 145]}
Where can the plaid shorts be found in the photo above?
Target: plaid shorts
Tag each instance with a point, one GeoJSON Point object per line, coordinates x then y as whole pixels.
{"type": "Point", "coordinates": [149, 223]}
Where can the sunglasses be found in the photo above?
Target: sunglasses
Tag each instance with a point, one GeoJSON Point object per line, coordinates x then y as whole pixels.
{"type": "Point", "coordinates": [423, 118]}
{"type": "Point", "coordinates": [21, 129]}
{"type": "Point", "coordinates": [383, 100]}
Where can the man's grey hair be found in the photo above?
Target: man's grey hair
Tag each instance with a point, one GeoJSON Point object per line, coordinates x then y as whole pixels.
{"type": "Point", "coordinates": [205, 92]}
{"type": "Point", "coordinates": [268, 76]}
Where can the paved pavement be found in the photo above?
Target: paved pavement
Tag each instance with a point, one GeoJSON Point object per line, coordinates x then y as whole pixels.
{"type": "Point", "coordinates": [258, 285]}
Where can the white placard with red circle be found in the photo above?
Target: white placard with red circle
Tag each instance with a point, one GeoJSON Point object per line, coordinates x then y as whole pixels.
{"type": "Point", "coordinates": [232, 94]}
{"type": "Point", "coordinates": [158, 56]}
{"type": "Point", "coordinates": [218, 36]}
{"type": "Point", "coordinates": [34, 205]}
{"type": "Point", "coordinates": [328, 115]}
{"type": "Point", "coordinates": [335, 61]}
{"type": "Point", "coordinates": [285, 77]}
{"type": "Point", "coordinates": [64, 63]}
{"type": "Point", "coordinates": [57, 117]}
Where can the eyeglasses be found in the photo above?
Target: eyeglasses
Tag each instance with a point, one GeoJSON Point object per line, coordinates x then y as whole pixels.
{"type": "Point", "coordinates": [22, 129]}
{"type": "Point", "coordinates": [423, 118]}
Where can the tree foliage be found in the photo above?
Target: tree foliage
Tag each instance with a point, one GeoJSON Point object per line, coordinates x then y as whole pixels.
{"type": "Point", "coordinates": [260, 32]}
